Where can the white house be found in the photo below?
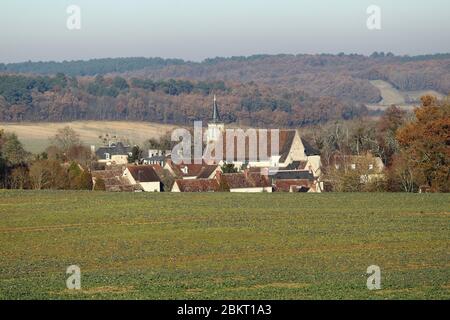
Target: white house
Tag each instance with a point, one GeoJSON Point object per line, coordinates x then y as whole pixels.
{"type": "Point", "coordinates": [145, 176]}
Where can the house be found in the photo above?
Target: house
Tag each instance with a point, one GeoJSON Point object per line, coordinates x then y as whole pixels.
{"type": "Point", "coordinates": [295, 181]}
{"type": "Point", "coordinates": [159, 160]}
{"type": "Point", "coordinates": [369, 167]}
{"type": "Point", "coordinates": [145, 176]}
{"type": "Point", "coordinates": [191, 171]}
{"type": "Point", "coordinates": [114, 154]}
{"type": "Point", "coordinates": [197, 185]}
{"type": "Point", "coordinates": [295, 185]}
{"type": "Point", "coordinates": [230, 182]}
{"type": "Point", "coordinates": [156, 156]}
{"type": "Point", "coordinates": [245, 182]}
{"type": "Point", "coordinates": [113, 180]}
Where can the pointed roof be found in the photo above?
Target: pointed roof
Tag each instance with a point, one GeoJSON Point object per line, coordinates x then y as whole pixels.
{"type": "Point", "coordinates": [216, 115]}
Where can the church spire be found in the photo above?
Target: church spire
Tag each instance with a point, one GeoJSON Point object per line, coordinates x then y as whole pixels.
{"type": "Point", "coordinates": [216, 115]}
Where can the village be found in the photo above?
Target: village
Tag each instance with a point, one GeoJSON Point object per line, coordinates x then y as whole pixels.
{"type": "Point", "coordinates": [296, 167]}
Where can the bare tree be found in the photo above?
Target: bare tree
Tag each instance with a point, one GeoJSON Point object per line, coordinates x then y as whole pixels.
{"type": "Point", "coordinates": [39, 175]}
{"type": "Point", "coordinates": [66, 138]}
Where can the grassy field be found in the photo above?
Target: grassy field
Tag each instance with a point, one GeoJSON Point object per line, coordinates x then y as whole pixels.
{"type": "Point", "coordinates": [224, 246]}
{"type": "Point", "coordinates": [392, 96]}
{"type": "Point", "coordinates": [35, 135]}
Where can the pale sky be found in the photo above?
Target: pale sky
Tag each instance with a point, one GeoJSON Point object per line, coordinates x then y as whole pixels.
{"type": "Point", "coordinates": [197, 29]}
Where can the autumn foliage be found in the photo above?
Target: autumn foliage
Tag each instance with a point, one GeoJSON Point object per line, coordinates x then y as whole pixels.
{"type": "Point", "coordinates": [426, 142]}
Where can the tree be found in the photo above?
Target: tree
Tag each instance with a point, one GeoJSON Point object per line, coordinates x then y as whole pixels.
{"type": "Point", "coordinates": [120, 83]}
{"type": "Point", "coordinates": [80, 154]}
{"type": "Point", "coordinates": [48, 174]}
{"type": "Point", "coordinates": [392, 119]}
{"type": "Point", "coordinates": [136, 154]}
{"type": "Point", "coordinates": [401, 173]}
{"type": "Point", "coordinates": [39, 175]}
{"type": "Point", "coordinates": [426, 142]}
{"type": "Point", "coordinates": [19, 178]}
{"type": "Point", "coordinates": [13, 150]}
{"type": "Point", "coordinates": [229, 168]}
{"type": "Point", "coordinates": [66, 138]}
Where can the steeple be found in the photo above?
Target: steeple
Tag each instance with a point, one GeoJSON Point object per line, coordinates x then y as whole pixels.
{"type": "Point", "coordinates": [216, 115]}
{"type": "Point", "coordinates": [215, 127]}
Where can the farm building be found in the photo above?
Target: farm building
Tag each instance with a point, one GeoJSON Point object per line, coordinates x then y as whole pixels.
{"type": "Point", "coordinates": [145, 176]}
{"type": "Point", "coordinates": [114, 154]}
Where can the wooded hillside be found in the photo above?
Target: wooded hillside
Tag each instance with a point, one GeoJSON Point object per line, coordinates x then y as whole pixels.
{"type": "Point", "coordinates": [281, 90]}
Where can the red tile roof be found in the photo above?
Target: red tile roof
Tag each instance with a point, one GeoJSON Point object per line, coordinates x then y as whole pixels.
{"type": "Point", "coordinates": [242, 180]}
{"type": "Point", "coordinates": [193, 170]}
{"type": "Point", "coordinates": [285, 185]}
{"type": "Point", "coordinates": [198, 185]}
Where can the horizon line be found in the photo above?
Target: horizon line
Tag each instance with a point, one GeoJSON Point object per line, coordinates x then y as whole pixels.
{"type": "Point", "coordinates": [227, 57]}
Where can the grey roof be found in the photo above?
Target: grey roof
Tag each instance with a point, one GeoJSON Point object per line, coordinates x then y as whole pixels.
{"type": "Point", "coordinates": [156, 158]}
{"type": "Point", "coordinates": [144, 173]}
{"type": "Point", "coordinates": [293, 175]}
{"type": "Point", "coordinates": [113, 150]}
{"type": "Point", "coordinates": [216, 115]}
{"type": "Point", "coordinates": [296, 165]}
{"type": "Point", "coordinates": [309, 149]}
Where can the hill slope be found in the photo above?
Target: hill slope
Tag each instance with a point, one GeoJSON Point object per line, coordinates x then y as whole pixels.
{"type": "Point", "coordinates": [283, 90]}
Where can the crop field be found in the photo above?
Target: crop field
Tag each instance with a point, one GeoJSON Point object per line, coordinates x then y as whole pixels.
{"type": "Point", "coordinates": [36, 136]}
{"type": "Point", "coordinates": [223, 245]}
{"type": "Point", "coordinates": [392, 96]}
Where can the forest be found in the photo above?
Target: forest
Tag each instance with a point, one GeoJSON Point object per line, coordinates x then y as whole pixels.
{"type": "Point", "coordinates": [65, 98]}
{"type": "Point", "coordinates": [261, 90]}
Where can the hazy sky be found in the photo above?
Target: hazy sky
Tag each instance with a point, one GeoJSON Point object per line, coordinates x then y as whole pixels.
{"type": "Point", "coordinates": [197, 29]}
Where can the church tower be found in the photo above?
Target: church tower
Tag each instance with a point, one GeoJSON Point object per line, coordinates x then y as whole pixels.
{"type": "Point", "coordinates": [215, 127]}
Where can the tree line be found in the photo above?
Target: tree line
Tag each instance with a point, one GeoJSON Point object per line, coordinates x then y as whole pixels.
{"type": "Point", "coordinates": [65, 98]}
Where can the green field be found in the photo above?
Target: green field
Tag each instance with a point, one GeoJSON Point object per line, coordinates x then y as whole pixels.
{"type": "Point", "coordinates": [223, 245]}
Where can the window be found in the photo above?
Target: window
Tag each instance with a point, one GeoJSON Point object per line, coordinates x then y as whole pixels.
{"type": "Point", "coordinates": [353, 166]}
{"type": "Point", "coordinates": [107, 156]}
{"type": "Point", "coordinates": [370, 166]}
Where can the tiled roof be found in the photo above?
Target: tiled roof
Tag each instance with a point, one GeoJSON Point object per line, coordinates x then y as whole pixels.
{"type": "Point", "coordinates": [113, 150]}
{"type": "Point", "coordinates": [207, 171]}
{"type": "Point", "coordinates": [158, 169]}
{"type": "Point", "coordinates": [285, 185]}
{"type": "Point", "coordinates": [144, 173]}
{"type": "Point", "coordinates": [156, 158]}
{"type": "Point", "coordinates": [193, 170]}
{"type": "Point", "coordinates": [293, 175]}
{"type": "Point", "coordinates": [296, 165]}
{"type": "Point", "coordinates": [309, 149]}
{"type": "Point", "coordinates": [242, 180]}
{"type": "Point", "coordinates": [198, 185]}
{"type": "Point", "coordinates": [114, 181]}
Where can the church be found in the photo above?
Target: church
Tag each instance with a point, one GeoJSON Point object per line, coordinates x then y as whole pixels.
{"type": "Point", "coordinates": [294, 153]}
